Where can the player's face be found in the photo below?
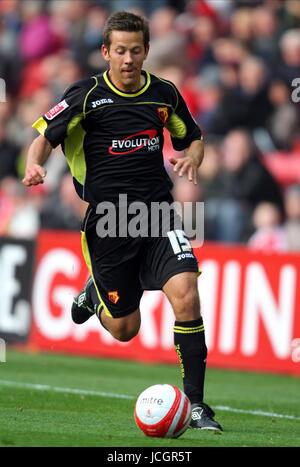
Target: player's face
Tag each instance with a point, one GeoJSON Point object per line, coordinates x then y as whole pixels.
{"type": "Point", "coordinates": [126, 56]}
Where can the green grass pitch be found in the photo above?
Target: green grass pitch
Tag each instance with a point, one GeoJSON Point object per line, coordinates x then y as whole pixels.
{"type": "Point", "coordinates": [59, 400]}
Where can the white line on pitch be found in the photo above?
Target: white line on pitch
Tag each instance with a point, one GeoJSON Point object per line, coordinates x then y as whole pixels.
{"type": "Point", "coordinates": [87, 392]}
{"type": "Point", "coordinates": [46, 387]}
{"type": "Point", "coordinates": [260, 413]}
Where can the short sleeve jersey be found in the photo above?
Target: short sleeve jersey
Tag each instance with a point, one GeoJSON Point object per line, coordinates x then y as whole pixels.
{"type": "Point", "coordinates": [113, 141]}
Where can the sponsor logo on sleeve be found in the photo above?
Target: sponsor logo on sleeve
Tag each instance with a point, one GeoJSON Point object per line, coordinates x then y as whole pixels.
{"type": "Point", "coordinates": [56, 110]}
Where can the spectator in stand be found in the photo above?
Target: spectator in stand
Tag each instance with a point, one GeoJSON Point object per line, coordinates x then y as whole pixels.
{"type": "Point", "coordinates": [211, 190]}
{"type": "Point", "coordinates": [246, 105]}
{"type": "Point", "coordinates": [289, 14]}
{"type": "Point", "coordinates": [70, 71]}
{"type": "Point", "coordinates": [288, 68]}
{"type": "Point", "coordinates": [168, 43]}
{"type": "Point", "coordinates": [38, 37]}
{"type": "Point", "coordinates": [211, 93]}
{"type": "Point", "coordinates": [201, 36]}
{"type": "Point", "coordinates": [86, 45]}
{"type": "Point", "coordinates": [269, 234]}
{"type": "Point", "coordinates": [19, 128]}
{"type": "Point", "coordinates": [241, 185]}
{"type": "Point", "coordinates": [244, 174]}
{"type": "Point", "coordinates": [253, 80]}
{"type": "Point", "coordinates": [284, 121]}
{"type": "Point", "coordinates": [292, 223]}
{"type": "Point", "coordinates": [10, 63]}
{"type": "Point", "coordinates": [241, 26]}
{"type": "Point", "coordinates": [265, 34]}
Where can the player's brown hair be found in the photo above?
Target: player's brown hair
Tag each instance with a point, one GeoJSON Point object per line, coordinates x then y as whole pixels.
{"type": "Point", "coordinates": [125, 21]}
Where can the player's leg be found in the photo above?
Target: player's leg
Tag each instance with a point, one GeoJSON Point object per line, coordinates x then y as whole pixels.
{"type": "Point", "coordinates": [113, 291]}
{"type": "Point", "coordinates": [123, 328]}
{"type": "Point", "coordinates": [189, 339]}
{"type": "Point", "coordinates": [87, 303]}
{"type": "Point", "coordinates": [83, 306]}
{"type": "Point", "coordinates": [170, 265]}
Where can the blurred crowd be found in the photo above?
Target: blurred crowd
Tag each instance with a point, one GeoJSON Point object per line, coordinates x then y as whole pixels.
{"type": "Point", "coordinates": [236, 62]}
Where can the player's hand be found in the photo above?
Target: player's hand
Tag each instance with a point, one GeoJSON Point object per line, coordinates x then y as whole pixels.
{"type": "Point", "coordinates": [34, 175]}
{"type": "Point", "coordinates": [191, 161]}
{"type": "Point", "coordinates": [185, 165]}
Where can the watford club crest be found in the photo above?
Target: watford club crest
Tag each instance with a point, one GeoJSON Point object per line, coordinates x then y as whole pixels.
{"type": "Point", "coordinates": [163, 113]}
{"type": "Point", "coordinates": [113, 296]}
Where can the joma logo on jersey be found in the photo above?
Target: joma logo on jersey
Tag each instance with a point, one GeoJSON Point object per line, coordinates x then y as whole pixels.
{"type": "Point", "coordinates": [56, 110]}
{"type": "Point", "coordinates": [142, 139]}
{"type": "Point", "coordinates": [101, 102]}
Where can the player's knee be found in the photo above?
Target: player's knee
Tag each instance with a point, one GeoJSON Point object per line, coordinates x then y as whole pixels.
{"type": "Point", "coordinates": [186, 303]}
{"type": "Point", "coordinates": [187, 296]}
{"type": "Point", "coordinates": [125, 334]}
{"type": "Point", "coordinates": [126, 329]}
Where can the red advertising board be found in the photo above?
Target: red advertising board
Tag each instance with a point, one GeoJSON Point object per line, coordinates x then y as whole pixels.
{"type": "Point", "coordinates": [250, 304]}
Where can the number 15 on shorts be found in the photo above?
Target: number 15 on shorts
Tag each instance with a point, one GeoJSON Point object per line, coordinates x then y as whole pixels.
{"type": "Point", "coordinates": [179, 241]}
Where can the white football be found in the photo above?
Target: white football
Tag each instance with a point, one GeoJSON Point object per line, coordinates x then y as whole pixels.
{"type": "Point", "coordinates": [163, 411]}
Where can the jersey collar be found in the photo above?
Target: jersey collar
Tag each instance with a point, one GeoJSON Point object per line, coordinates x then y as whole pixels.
{"type": "Point", "coordinates": [127, 94]}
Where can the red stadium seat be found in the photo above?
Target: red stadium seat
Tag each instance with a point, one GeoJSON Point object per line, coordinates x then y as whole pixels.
{"type": "Point", "coordinates": [285, 167]}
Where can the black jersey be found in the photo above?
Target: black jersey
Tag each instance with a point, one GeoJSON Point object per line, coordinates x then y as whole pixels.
{"type": "Point", "coordinates": [113, 140]}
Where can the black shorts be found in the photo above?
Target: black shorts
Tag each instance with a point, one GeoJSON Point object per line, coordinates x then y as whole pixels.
{"type": "Point", "coordinates": [123, 267]}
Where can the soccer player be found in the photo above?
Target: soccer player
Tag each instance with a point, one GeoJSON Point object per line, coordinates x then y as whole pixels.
{"type": "Point", "coordinates": [110, 128]}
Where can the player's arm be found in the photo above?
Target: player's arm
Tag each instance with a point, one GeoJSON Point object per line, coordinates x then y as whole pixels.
{"type": "Point", "coordinates": [189, 164]}
{"type": "Point", "coordinates": [186, 136]}
{"type": "Point", "coordinates": [54, 127]}
{"type": "Point", "coordinates": [37, 155]}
